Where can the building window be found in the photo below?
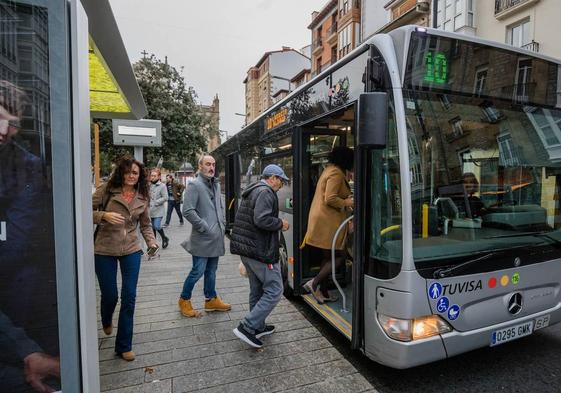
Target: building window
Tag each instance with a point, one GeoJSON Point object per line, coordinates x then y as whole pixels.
{"type": "Point", "coordinates": [519, 33]}
{"type": "Point", "coordinates": [547, 125]}
{"type": "Point", "coordinates": [345, 40]}
{"type": "Point", "coordinates": [344, 7]}
{"type": "Point", "coordinates": [480, 80]}
{"type": "Point", "coordinates": [492, 114]}
{"type": "Point", "coordinates": [507, 151]}
{"type": "Point", "coordinates": [469, 9]}
{"type": "Point", "coordinates": [445, 101]}
{"type": "Point", "coordinates": [456, 129]}
{"type": "Point", "coordinates": [522, 83]}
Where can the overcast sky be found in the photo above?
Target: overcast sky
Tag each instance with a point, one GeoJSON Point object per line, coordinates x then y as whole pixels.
{"type": "Point", "coordinates": [215, 40]}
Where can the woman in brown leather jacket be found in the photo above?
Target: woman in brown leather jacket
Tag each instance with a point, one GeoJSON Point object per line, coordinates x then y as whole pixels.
{"type": "Point", "coordinates": [119, 207]}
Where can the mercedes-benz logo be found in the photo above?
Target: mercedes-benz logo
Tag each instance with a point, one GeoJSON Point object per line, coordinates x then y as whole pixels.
{"type": "Point", "coordinates": [517, 262]}
{"type": "Point", "coordinates": [515, 303]}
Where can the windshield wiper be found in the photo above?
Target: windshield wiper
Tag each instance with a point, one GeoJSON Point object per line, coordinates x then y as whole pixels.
{"type": "Point", "coordinates": [442, 273]}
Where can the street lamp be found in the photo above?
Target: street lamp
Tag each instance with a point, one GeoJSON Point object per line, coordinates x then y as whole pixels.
{"type": "Point", "coordinates": [245, 118]}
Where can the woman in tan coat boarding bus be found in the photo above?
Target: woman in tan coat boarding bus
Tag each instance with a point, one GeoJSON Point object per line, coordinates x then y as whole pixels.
{"type": "Point", "coordinates": [331, 205]}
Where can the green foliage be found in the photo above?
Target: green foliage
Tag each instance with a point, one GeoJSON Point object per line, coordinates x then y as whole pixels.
{"type": "Point", "coordinates": [170, 100]}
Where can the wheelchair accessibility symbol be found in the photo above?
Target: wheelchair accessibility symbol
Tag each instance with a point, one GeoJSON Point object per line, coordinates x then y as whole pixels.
{"type": "Point", "coordinates": [442, 304]}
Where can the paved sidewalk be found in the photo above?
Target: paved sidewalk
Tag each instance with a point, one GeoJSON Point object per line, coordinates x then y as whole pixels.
{"type": "Point", "coordinates": [178, 354]}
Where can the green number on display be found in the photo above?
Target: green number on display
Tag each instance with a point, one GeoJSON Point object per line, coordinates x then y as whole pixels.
{"type": "Point", "coordinates": [436, 68]}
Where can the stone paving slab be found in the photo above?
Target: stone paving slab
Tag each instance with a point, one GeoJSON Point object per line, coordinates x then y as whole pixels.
{"type": "Point", "coordinates": [177, 354]}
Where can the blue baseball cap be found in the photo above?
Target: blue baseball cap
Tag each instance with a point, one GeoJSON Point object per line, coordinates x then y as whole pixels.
{"type": "Point", "coordinates": [275, 170]}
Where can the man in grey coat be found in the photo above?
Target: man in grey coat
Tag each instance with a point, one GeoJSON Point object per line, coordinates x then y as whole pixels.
{"type": "Point", "coordinates": [203, 208]}
{"type": "Point", "coordinates": [158, 196]}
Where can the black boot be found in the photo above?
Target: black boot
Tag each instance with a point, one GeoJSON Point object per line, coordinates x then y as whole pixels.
{"type": "Point", "coordinates": [165, 240]}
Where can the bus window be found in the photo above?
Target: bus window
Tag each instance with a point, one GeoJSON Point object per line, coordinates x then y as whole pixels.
{"type": "Point", "coordinates": [383, 202]}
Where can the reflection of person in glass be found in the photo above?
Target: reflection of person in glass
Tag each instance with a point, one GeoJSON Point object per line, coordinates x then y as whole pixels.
{"type": "Point", "coordinates": [120, 205]}
{"type": "Point", "coordinates": [22, 358]}
{"type": "Point", "coordinates": [471, 187]}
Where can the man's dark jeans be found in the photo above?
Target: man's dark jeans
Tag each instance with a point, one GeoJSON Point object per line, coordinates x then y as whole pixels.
{"type": "Point", "coordinates": [106, 272]}
{"type": "Point", "coordinates": [172, 204]}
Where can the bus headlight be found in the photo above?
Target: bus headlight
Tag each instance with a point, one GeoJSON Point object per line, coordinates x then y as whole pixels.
{"type": "Point", "coordinates": [413, 329]}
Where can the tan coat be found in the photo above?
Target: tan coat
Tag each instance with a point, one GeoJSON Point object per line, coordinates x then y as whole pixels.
{"type": "Point", "coordinates": [119, 240]}
{"type": "Point", "coordinates": [328, 210]}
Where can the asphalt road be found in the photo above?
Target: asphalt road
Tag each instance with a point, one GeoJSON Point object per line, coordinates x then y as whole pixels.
{"type": "Point", "coordinates": [531, 364]}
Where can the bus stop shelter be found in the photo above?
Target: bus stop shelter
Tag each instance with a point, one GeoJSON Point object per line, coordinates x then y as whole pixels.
{"type": "Point", "coordinates": [62, 63]}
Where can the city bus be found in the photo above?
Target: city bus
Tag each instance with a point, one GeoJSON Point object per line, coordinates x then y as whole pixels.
{"type": "Point", "coordinates": [456, 240]}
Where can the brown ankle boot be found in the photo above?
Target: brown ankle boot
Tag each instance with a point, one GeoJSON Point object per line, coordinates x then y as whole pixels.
{"type": "Point", "coordinates": [108, 330]}
{"type": "Point", "coordinates": [128, 356]}
{"type": "Point", "coordinates": [216, 304]}
{"type": "Point", "coordinates": [186, 308]}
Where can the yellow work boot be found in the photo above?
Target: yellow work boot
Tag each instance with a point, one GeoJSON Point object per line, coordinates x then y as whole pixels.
{"type": "Point", "coordinates": [216, 304]}
{"type": "Point", "coordinates": [187, 309]}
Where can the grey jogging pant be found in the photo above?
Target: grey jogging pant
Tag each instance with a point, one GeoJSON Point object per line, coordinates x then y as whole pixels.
{"type": "Point", "coordinates": [265, 291]}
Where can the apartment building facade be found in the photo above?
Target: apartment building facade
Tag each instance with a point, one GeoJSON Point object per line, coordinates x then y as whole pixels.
{"type": "Point", "coordinates": [335, 32]}
{"type": "Point", "coordinates": [530, 24]}
{"type": "Point", "coordinates": [272, 73]}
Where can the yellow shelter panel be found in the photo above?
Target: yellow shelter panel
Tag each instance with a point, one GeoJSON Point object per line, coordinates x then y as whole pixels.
{"type": "Point", "coordinates": [104, 94]}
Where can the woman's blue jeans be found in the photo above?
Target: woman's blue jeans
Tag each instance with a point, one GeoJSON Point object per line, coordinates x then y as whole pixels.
{"type": "Point", "coordinates": [201, 265]}
{"type": "Point", "coordinates": [106, 272]}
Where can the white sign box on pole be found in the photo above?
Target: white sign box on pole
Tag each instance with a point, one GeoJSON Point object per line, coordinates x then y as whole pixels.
{"type": "Point", "coordinates": [137, 133]}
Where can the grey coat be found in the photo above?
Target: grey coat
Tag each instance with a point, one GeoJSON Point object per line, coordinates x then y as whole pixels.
{"type": "Point", "coordinates": [203, 208]}
{"type": "Point", "coordinates": [158, 196]}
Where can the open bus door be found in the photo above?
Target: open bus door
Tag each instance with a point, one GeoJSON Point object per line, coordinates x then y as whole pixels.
{"type": "Point", "coordinates": [311, 148]}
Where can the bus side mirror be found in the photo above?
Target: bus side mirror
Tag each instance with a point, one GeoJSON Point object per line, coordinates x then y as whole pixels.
{"type": "Point", "coordinates": [372, 119]}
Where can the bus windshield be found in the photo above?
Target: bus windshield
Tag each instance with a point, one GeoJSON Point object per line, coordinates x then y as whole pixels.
{"type": "Point", "coordinates": [484, 134]}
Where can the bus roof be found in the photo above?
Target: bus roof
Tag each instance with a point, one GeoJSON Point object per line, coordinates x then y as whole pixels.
{"type": "Point", "coordinates": [400, 36]}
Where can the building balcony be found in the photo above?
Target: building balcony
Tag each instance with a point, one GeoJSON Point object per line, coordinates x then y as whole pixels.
{"type": "Point", "coordinates": [407, 6]}
{"type": "Point", "coordinates": [532, 46]}
{"type": "Point", "coordinates": [506, 8]}
{"type": "Point", "coordinates": [332, 34]}
{"type": "Point", "coordinates": [407, 12]}
{"type": "Point", "coordinates": [317, 46]}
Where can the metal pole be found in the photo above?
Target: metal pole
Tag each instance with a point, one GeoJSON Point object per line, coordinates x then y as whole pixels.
{"type": "Point", "coordinates": [344, 309]}
{"type": "Point", "coordinates": [97, 174]}
{"type": "Point", "coordinates": [139, 153]}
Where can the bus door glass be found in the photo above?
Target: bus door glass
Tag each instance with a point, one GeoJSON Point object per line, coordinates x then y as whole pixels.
{"type": "Point", "coordinates": [232, 186]}
{"type": "Point", "coordinates": [316, 146]}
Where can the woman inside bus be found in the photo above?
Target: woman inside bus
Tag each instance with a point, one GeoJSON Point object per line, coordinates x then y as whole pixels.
{"type": "Point", "coordinates": [331, 205]}
{"type": "Point", "coordinates": [120, 205]}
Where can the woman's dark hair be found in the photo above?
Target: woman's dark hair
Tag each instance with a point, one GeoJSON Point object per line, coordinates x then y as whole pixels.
{"type": "Point", "coordinates": [343, 157]}
{"type": "Point", "coordinates": [124, 165]}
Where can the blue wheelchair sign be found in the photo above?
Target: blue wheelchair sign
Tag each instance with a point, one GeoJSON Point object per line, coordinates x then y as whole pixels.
{"type": "Point", "coordinates": [442, 304]}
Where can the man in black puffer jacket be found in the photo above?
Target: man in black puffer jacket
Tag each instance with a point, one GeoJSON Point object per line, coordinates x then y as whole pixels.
{"type": "Point", "coordinates": [255, 237]}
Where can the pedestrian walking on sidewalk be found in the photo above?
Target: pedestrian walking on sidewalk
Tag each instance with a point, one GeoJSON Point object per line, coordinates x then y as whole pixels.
{"type": "Point", "coordinates": [175, 193]}
{"type": "Point", "coordinates": [120, 205]}
{"type": "Point", "coordinates": [255, 237]}
{"type": "Point", "coordinates": [158, 197]}
{"type": "Point", "coordinates": [203, 208]}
